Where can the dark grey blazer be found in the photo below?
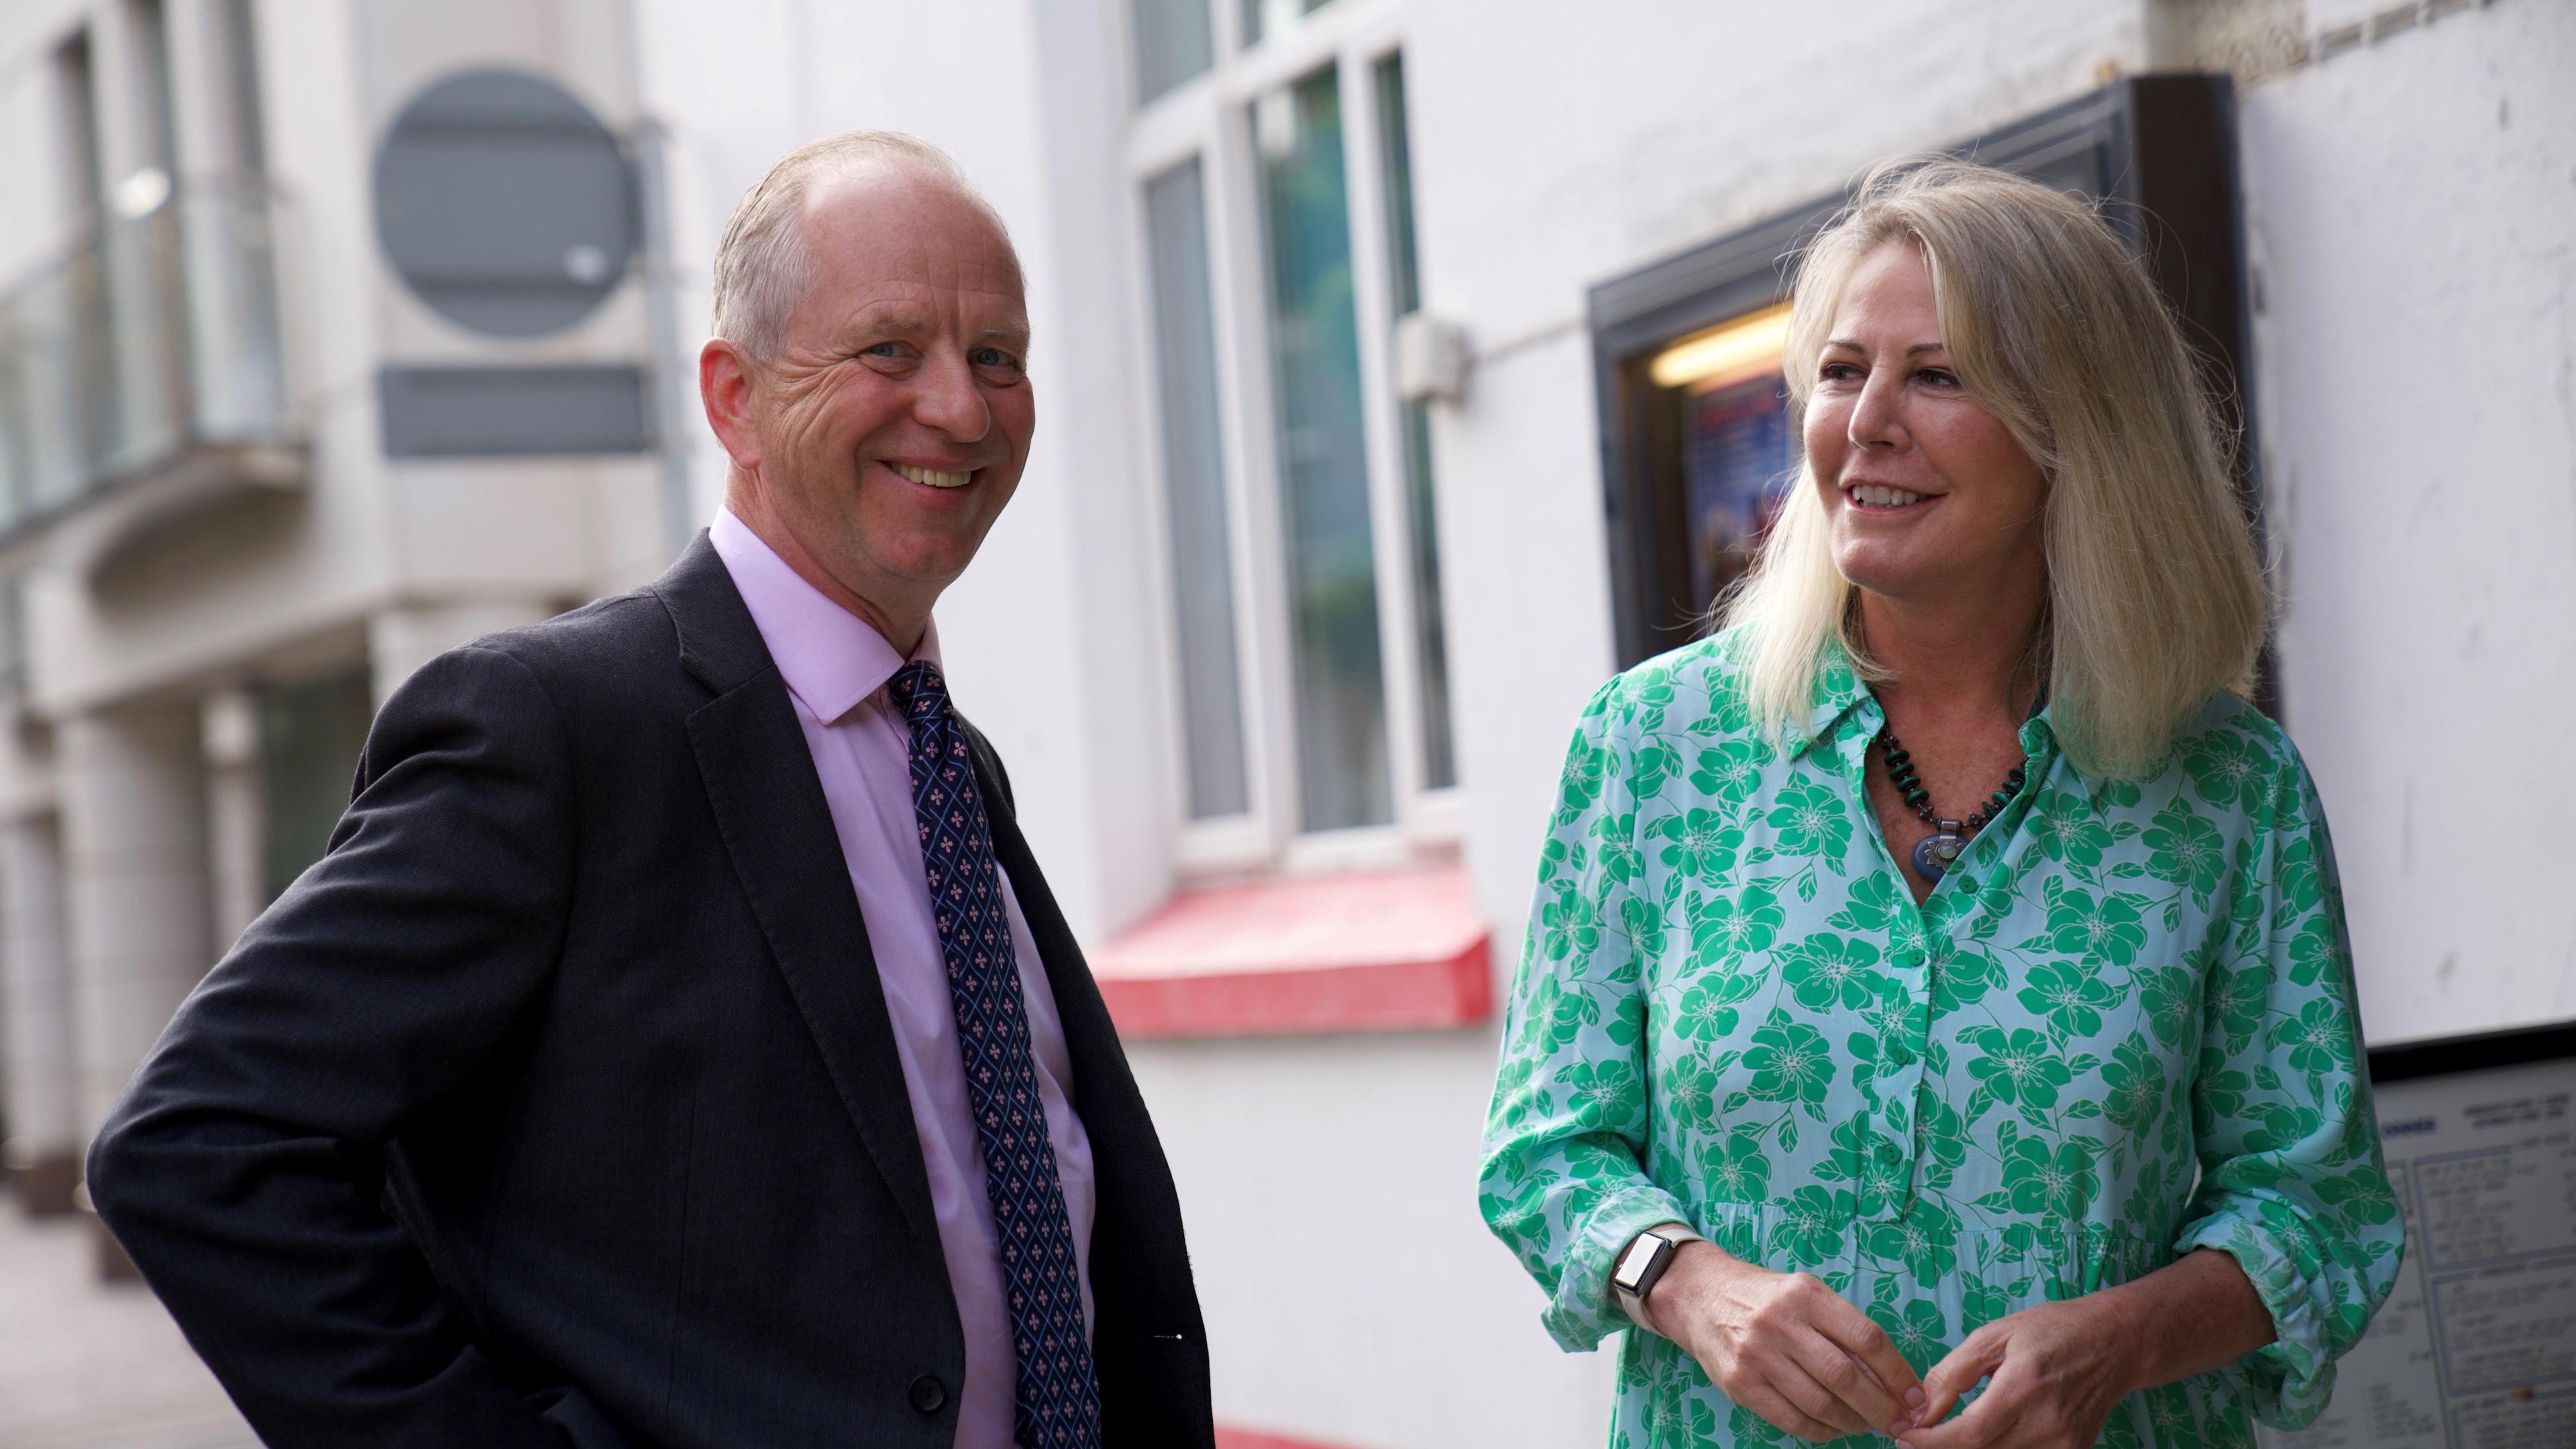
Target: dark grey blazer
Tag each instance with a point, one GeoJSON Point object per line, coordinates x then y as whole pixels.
{"type": "Point", "coordinates": [558, 1103]}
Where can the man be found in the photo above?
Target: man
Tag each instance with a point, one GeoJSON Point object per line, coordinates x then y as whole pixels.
{"type": "Point", "coordinates": [659, 1057]}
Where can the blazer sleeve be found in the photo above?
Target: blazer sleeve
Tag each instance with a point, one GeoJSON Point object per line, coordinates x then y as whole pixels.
{"type": "Point", "coordinates": [243, 1169]}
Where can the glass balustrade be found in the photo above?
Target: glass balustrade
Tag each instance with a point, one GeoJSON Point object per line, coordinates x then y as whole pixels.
{"type": "Point", "coordinates": [157, 334]}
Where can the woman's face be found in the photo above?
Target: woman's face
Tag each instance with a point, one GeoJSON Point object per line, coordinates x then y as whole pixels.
{"type": "Point", "coordinates": [1925, 492]}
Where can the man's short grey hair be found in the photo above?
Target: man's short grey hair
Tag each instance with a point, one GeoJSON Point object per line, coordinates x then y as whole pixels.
{"type": "Point", "coordinates": [763, 266]}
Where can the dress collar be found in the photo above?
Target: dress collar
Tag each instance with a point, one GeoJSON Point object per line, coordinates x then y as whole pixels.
{"type": "Point", "coordinates": [831, 659]}
{"type": "Point", "coordinates": [1839, 692]}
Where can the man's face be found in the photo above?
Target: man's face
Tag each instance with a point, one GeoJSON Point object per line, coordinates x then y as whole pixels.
{"type": "Point", "coordinates": [893, 423]}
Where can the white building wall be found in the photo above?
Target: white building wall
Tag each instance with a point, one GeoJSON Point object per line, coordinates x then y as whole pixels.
{"type": "Point", "coordinates": [2411, 209]}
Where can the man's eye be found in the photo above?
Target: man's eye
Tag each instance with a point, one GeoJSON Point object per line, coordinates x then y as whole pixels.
{"type": "Point", "coordinates": [992, 357]}
{"type": "Point", "coordinates": [882, 349]}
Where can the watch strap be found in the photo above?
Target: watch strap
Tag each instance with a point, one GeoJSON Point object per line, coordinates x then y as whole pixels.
{"type": "Point", "coordinates": [1632, 1278]}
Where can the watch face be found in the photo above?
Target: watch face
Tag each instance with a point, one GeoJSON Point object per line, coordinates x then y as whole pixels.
{"type": "Point", "coordinates": [1632, 1264]}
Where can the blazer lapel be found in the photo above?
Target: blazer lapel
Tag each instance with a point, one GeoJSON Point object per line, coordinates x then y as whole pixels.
{"type": "Point", "coordinates": [1139, 1259]}
{"type": "Point", "coordinates": [769, 806]}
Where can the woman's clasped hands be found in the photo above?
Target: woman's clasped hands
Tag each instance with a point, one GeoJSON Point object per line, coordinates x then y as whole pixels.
{"type": "Point", "coordinates": [1791, 1349]}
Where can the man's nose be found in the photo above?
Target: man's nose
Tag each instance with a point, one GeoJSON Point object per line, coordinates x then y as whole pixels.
{"type": "Point", "coordinates": [950, 403]}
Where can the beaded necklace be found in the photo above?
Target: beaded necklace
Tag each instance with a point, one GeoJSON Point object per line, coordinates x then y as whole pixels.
{"type": "Point", "coordinates": [1934, 853]}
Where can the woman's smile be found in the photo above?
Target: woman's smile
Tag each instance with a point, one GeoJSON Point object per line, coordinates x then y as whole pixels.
{"type": "Point", "coordinates": [1886, 498]}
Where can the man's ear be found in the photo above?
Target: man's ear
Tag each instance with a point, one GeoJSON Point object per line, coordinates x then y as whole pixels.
{"type": "Point", "coordinates": [726, 387]}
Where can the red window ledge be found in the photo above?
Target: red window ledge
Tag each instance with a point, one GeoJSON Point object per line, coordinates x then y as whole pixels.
{"type": "Point", "coordinates": [1397, 951]}
{"type": "Point", "coordinates": [1232, 1438]}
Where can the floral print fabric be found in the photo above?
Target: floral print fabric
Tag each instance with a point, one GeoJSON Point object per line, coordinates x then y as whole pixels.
{"type": "Point", "coordinates": [2120, 1029]}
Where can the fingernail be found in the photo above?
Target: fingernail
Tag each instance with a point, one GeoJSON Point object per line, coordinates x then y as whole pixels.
{"type": "Point", "coordinates": [1914, 1399]}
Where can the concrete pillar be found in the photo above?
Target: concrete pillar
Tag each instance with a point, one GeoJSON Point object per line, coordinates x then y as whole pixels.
{"type": "Point", "coordinates": [44, 1147]}
{"type": "Point", "coordinates": [134, 891]}
{"type": "Point", "coordinates": [402, 639]}
{"type": "Point", "coordinates": [236, 814]}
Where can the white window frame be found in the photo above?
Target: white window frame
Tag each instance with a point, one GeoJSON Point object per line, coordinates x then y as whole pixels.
{"type": "Point", "coordinates": [1205, 118]}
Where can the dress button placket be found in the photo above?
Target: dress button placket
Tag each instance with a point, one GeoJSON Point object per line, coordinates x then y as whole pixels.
{"type": "Point", "coordinates": [1893, 1127]}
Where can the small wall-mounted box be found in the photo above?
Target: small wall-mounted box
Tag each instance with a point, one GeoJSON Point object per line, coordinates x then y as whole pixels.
{"type": "Point", "coordinates": [1430, 359]}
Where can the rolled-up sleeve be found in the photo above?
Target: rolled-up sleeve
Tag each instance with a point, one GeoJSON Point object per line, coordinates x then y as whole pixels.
{"type": "Point", "coordinates": [2292, 1184]}
{"type": "Point", "coordinates": [1561, 1183]}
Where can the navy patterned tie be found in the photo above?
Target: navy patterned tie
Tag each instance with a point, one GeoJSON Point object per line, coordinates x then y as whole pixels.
{"type": "Point", "coordinates": [1057, 1398]}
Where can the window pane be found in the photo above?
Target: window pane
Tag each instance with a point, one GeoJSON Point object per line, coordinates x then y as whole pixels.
{"type": "Point", "coordinates": [309, 739]}
{"type": "Point", "coordinates": [1262, 18]}
{"type": "Point", "coordinates": [1323, 461]}
{"type": "Point", "coordinates": [241, 84]}
{"type": "Point", "coordinates": [1194, 465]}
{"type": "Point", "coordinates": [1172, 44]}
{"type": "Point", "coordinates": [1430, 636]}
{"type": "Point", "coordinates": [151, 34]}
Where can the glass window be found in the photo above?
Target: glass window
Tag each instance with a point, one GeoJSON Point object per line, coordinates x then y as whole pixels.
{"type": "Point", "coordinates": [310, 736]}
{"type": "Point", "coordinates": [151, 33]}
{"type": "Point", "coordinates": [1194, 474]}
{"type": "Point", "coordinates": [1265, 18]}
{"type": "Point", "coordinates": [1735, 442]}
{"type": "Point", "coordinates": [13, 634]}
{"type": "Point", "coordinates": [77, 92]}
{"type": "Point", "coordinates": [1338, 680]}
{"type": "Point", "coordinates": [1430, 638]}
{"type": "Point", "coordinates": [249, 133]}
{"type": "Point", "coordinates": [1172, 44]}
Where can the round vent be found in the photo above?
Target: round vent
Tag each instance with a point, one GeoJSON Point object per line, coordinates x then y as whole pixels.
{"type": "Point", "coordinates": [504, 203]}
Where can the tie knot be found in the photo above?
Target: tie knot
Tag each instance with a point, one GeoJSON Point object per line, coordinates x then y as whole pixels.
{"type": "Point", "coordinates": [919, 691]}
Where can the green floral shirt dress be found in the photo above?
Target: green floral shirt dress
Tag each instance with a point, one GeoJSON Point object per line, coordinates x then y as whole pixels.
{"type": "Point", "coordinates": [2120, 1029]}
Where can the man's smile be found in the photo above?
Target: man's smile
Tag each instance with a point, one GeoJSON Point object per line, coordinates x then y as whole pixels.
{"type": "Point", "coordinates": [935, 477]}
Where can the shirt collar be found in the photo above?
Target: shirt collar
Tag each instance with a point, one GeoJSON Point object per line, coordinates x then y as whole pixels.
{"type": "Point", "coordinates": [831, 658]}
{"type": "Point", "coordinates": [1839, 692]}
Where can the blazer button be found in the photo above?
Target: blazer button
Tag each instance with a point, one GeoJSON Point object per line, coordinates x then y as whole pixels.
{"type": "Point", "coordinates": [928, 1394]}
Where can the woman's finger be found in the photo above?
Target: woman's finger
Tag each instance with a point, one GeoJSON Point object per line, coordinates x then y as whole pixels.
{"type": "Point", "coordinates": [1985, 1424]}
{"type": "Point", "coordinates": [1978, 1355]}
{"type": "Point", "coordinates": [1851, 1381]}
{"type": "Point", "coordinates": [1855, 1334]}
{"type": "Point", "coordinates": [1799, 1384]}
{"type": "Point", "coordinates": [1775, 1406]}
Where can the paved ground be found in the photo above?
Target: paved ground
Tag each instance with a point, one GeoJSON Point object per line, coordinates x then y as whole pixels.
{"type": "Point", "coordinates": [86, 1365]}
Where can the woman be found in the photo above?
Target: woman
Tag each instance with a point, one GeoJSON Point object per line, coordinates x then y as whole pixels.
{"type": "Point", "coordinates": [2021, 1051]}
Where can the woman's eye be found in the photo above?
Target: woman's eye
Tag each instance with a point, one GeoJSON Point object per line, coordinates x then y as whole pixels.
{"type": "Point", "coordinates": [1839, 372]}
{"type": "Point", "coordinates": [1939, 377]}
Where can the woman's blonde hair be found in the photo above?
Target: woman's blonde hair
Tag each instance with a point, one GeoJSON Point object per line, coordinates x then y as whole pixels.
{"type": "Point", "coordinates": [2156, 598]}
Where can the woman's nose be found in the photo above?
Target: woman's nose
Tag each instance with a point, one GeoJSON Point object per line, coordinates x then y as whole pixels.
{"type": "Point", "coordinates": [1877, 415]}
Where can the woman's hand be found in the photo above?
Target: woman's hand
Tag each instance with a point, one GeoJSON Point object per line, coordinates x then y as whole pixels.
{"type": "Point", "coordinates": [1785, 1346]}
{"type": "Point", "coordinates": [2058, 1369]}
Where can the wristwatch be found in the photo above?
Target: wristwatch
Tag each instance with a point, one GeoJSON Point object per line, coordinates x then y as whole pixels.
{"type": "Point", "coordinates": [1643, 1263]}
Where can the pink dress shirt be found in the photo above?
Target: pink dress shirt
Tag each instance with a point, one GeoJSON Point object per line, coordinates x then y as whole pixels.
{"type": "Point", "coordinates": [836, 667]}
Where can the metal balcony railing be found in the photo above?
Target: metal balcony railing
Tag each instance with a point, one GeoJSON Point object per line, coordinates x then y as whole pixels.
{"type": "Point", "coordinates": [155, 336]}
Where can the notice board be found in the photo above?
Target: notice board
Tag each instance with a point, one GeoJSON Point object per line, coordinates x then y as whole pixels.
{"type": "Point", "coordinates": [2476, 1347]}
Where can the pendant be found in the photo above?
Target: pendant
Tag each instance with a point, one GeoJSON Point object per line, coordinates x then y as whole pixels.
{"type": "Point", "coordinates": [1934, 853]}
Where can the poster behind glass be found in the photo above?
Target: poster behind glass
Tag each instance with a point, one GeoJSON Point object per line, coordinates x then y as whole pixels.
{"type": "Point", "coordinates": [1735, 472]}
